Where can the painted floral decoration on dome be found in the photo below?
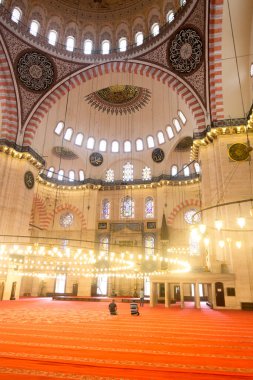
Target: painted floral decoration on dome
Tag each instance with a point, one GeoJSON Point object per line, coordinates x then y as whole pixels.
{"type": "Point", "coordinates": [186, 51]}
{"type": "Point", "coordinates": [35, 71]}
{"type": "Point", "coordinates": [119, 99]}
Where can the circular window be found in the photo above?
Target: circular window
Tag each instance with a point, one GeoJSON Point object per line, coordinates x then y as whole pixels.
{"type": "Point", "coordinates": [66, 219]}
{"type": "Point", "coordinates": [191, 217]}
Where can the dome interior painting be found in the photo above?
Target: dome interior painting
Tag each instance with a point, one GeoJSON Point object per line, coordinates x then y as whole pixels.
{"type": "Point", "coordinates": [126, 148]}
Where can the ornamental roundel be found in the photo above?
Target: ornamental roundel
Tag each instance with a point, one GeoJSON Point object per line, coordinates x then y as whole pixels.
{"type": "Point", "coordinates": [35, 71]}
{"type": "Point", "coordinates": [96, 159]}
{"type": "Point", "coordinates": [186, 51]}
{"type": "Point", "coordinates": [158, 155]}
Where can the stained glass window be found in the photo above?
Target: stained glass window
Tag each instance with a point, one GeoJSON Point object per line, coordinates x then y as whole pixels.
{"type": "Point", "coordinates": [66, 219]}
{"type": "Point", "coordinates": [191, 217]}
{"type": "Point", "coordinates": [104, 243]}
{"type": "Point", "coordinates": [128, 172]}
{"type": "Point", "coordinates": [109, 176]}
{"type": "Point", "coordinates": [105, 212]}
{"type": "Point", "coordinates": [146, 174]}
{"type": "Point", "coordinates": [149, 244]}
{"type": "Point", "coordinates": [127, 207]}
{"type": "Point", "coordinates": [149, 207]}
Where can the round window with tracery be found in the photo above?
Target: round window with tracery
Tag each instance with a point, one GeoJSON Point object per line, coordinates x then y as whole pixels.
{"type": "Point", "coordinates": [191, 217]}
{"type": "Point", "coordinates": [66, 219]}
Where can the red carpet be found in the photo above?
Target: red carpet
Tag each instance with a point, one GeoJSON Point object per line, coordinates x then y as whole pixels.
{"type": "Point", "coordinates": [45, 339]}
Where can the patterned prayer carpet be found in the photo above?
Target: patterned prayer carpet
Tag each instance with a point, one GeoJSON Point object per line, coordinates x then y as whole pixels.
{"type": "Point", "coordinates": [45, 339]}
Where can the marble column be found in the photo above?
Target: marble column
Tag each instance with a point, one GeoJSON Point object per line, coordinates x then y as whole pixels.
{"type": "Point", "coordinates": [167, 294]}
{"type": "Point", "coordinates": [182, 294]}
{"type": "Point", "coordinates": [197, 299]}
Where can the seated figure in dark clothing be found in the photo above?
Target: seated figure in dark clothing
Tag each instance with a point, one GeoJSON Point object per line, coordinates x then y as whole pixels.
{"type": "Point", "coordinates": [113, 308]}
{"type": "Point", "coordinates": [134, 308]}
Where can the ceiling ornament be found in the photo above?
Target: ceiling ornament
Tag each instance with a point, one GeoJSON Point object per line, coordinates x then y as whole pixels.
{"type": "Point", "coordinates": [158, 155]}
{"type": "Point", "coordinates": [119, 99]}
{"type": "Point", "coordinates": [186, 51]}
{"type": "Point", "coordinates": [65, 153]}
{"type": "Point", "coordinates": [35, 71]}
{"type": "Point", "coordinates": [96, 159]}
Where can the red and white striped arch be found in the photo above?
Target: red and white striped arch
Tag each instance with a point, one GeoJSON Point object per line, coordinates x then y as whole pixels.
{"type": "Point", "coordinates": [67, 207]}
{"type": "Point", "coordinates": [215, 59]}
{"type": "Point", "coordinates": [39, 213]}
{"type": "Point", "coordinates": [180, 207]}
{"type": "Point", "coordinates": [117, 67]}
{"type": "Point", "coordinates": [8, 100]}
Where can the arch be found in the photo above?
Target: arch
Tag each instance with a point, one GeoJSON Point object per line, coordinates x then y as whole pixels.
{"type": "Point", "coordinates": [68, 207]}
{"type": "Point", "coordinates": [215, 62]}
{"type": "Point", "coordinates": [8, 100]}
{"type": "Point", "coordinates": [180, 207]}
{"type": "Point", "coordinates": [117, 67]}
{"type": "Point", "coordinates": [39, 206]}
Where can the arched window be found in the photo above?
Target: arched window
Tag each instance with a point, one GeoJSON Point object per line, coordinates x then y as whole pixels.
{"type": "Point", "coordinates": [127, 146]}
{"type": "Point", "coordinates": [102, 145]}
{"type": "Point", "coordinates": [149, 207]}
{"type": "Point", "coordinates": [128, 172]}
{"type": "Point", "coordinates": [139, 145]}
{"type": "Point", "coordinates": [16, 15]}
{"type": "Point", "coordinates": [81, 175]}
{"type": "Point", "coordinates": [127, 207]}
{"type": "Point", "coordinates": [160, 137]}
{"type": "Point", "coordinates": [146, 174]}
{"type": "Point", "coordinates": [87, 47]}
{"type": "Point", "coordinates": [50, 172]}
{"type": "Point", "coordinates": [182, 117]}
{"type": "Point", "coordinates": [60, 175]}
{"type": "Point", "coordinates": [109, 176]}
{"type": "Point", "coordinates": [68, 134]}
{"type": "Point", "coordinates": [251, 70]}
{"type": "Point", "coordinates": [149, 245]}
{"type": "Point", "coordinates": [104, 243]}
{"type": "Point", "coordinates": [182, 2]}
{"type": "Point", "coordinates": [150, 142]}
{"type": "Point", "coordinates": [177, 125]}
{"type": "Point", "coordinates": [105, 211]}
{"type": "Point", "coordinates": [71, 175]}
{"type": "Point", "coordinates": [139, 38]}
{"type": "Point", "coordinates": [170, 16]}
{"type": "Point", "coordinates": [186, 170]}
{"type": "Point", "coordinates": [174, 170]}
{"type": "Point", "coordinates": [59, 128]}
{"type": "Point", "coordinates": [79, 139]}
{"type": "Point", "coordinates": [105, 47]}
{"type": "Point", "coordinates": [115, 146]}
{"type": "Point", "coordinates": [170, 132]}
{"type": "Point", "coordinates": [34, 27]}
{"type": "Point", "coordinates": [90, 143]}
{"type": "Point", "coordinates": [122, 44]}
{"type": "Point", "coordinates": [197, 167]}
{"type": "Point", "coordinates": [155, 29]}
{"type": "Point", "coordinates": [52, 37]}
{"type": "Point", "coordinates": [70, 43]}
{"type": "Point", "coordinates": [102, 281]}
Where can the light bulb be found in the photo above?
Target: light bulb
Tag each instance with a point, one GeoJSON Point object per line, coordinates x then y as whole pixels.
{"type": "Point", "coordinates": [238, 244]}
{"type": "Point", "coordinates": [218, 224]}
{"type": "Point", "coordinates": [241, 222]}
{"type": "Point", "coordinates": [202, 228]}
{"type": "Point", "coordinates": [221, 243]}
{"type": "Point", "coordinates": [206, 241]}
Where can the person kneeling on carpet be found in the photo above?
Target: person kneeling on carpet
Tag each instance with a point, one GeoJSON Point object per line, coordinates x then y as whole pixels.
{"type": "Point", "coordinates": [113, 308]}
{"type": "Point", "coordinates": [134, 308]}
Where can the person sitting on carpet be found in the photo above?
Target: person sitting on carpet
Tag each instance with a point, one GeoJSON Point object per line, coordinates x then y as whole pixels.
{"type": "Point", "coordinates": [134, 308]}
{"type": "Point", "coordinates": [113, 308]}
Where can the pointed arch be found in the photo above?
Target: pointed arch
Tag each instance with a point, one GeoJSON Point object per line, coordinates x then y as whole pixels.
{"type": "Point", "coordinates": [181, 206]}
{"type": "Point", "coordinates": [8, 99]}
{"type": "Point", "coordinates": [137, 68]}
